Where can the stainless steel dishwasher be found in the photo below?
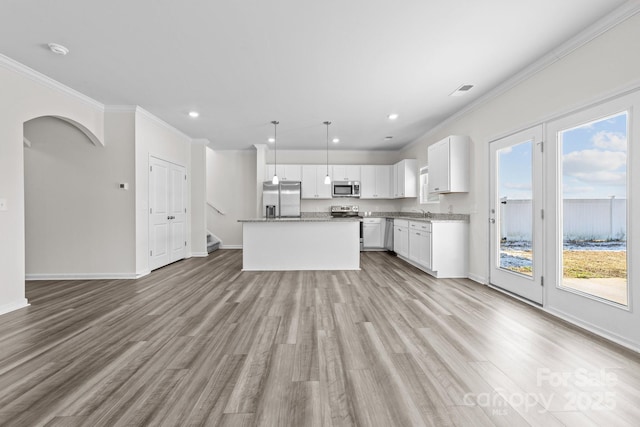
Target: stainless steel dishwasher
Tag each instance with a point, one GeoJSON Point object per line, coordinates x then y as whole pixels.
{"type": "Point", "coordinates": [388, 234]}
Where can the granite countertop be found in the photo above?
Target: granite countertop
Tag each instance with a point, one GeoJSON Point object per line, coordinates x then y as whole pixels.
{"type": "Point", "coordinates": [434, 217]}
{"type": "Point", "coordinates": [325, 217]}
{"type": "Point", "coordinates": [302, 219]}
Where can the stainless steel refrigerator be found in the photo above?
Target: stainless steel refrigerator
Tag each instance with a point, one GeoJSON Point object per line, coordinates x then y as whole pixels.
{"type": "Point", "coordinates": [285, 196]}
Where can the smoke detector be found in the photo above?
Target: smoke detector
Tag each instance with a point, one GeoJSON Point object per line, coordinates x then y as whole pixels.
{"type": "Point", "coordinates": [58, 49]}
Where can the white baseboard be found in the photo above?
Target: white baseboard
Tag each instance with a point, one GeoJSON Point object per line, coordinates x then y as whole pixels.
{"type": "Point", "coordinates": [631, 345]}
{"type": "Point", "coordinates": [231, 247]}
{"type": "Point", "coordinates": [200, 254]}
{"type": "Point", "coordinates": [608, 335]}
{"type": "Point", "coordinates": [15, 305]}
{"type": "Point", "coordinates": [84, 276]}
{"type": "Point", "coordinates": [477, 279]}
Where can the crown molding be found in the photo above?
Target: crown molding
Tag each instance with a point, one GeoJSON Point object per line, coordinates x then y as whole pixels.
{"type": "Point", "coordinates": [162, 123]}
{"type": "Point", "coordinates": [120, 108]}
{"type": "Point", "coordinates": [200, 141]}
{"type": "Point", "coordinates": [621, 14]}
{"type": "Point", "coordinates": [35, 76]}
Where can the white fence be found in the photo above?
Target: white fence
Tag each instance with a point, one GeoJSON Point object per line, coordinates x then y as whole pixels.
{"type": "Point", "coordinates": [584, 219]}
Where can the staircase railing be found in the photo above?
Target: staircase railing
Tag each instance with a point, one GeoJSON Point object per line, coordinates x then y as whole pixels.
{"type": "Point", "coordinates": [215, 208]}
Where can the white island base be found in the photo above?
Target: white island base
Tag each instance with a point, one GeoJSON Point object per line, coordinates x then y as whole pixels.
{"type": "Point", "coordinates": [300, 245]}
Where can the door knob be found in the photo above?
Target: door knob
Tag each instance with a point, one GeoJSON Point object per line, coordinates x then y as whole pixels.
{"type": "Point", "coordinates": [492, 220]}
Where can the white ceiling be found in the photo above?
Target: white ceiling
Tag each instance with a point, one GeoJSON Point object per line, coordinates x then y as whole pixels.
{"type": "Point", "coordinates": [242, 64]}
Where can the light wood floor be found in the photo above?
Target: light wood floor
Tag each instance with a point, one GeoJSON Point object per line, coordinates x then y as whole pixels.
{"type": "Point", "coordinates": [201, 343]}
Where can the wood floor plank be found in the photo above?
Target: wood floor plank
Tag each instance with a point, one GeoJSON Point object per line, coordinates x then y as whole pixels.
{"type": "Point", "coordinates": [305, 364]}
{"type": "Point", "coordinates": [202, 343]}
{"type": "Point", "coordinates": [250, 381]}
{"type": "Point", "coordinates": [336, 404]}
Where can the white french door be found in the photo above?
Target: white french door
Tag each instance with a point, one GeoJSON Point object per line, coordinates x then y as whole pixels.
{"type": "Point", "coordinates": [592, 195]}
{"type": "Point", "coordinates": [562, 202]}
{"type": "Point", "coordinates": [516, 214]}
{"type": "Point", "coordinates": [167, 213]}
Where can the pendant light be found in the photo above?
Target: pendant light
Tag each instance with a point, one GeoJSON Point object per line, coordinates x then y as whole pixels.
{"type": "Point", "coordinates": [275, 124]}
{"type": "Point", "coordinates": [327, 179]}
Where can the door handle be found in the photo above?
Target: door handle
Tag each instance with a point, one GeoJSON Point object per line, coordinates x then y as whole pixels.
{"type": "Point", "coordinates": [171, 217]}
{"type": "Point", "coordinates": [492, 220]}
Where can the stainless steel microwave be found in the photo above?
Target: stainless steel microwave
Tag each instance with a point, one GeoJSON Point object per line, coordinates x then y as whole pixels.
{"type": "Point", "coordinates": [345, 189]}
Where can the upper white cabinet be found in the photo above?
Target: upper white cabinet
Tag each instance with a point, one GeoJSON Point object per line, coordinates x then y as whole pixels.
{"type": "Point", "coordinates": [449, 165]}
{"type": "Point", "coordinates": [313, 186]}
{"type": "Point", "coordinates": [345, 173]}
{"type": "Point", "coordinates": [375, 182]}
{"type": "Point", "coordinates": [405, 173]}
{"type": "Point", "coordinates": [285, 172]}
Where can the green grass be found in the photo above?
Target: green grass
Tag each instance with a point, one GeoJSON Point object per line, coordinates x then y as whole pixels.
{"type": "Point", "coordinates": [587, 264]}
{"type": "Point", "coordinates": [594, 264]}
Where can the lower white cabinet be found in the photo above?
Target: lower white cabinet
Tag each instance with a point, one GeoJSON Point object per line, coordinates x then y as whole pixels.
{"type": "Point", "coordinates": [373, 233]}
{"type": "Point", "coordinates": [401, 237]}
{"type": "Point", "coordinates": [438, 247]}
{"type": "Point", "coordinates": [420, 243]}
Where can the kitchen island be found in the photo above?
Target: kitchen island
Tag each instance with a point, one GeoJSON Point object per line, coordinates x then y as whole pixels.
{"type": "Point", "coordinates": [300, 244]}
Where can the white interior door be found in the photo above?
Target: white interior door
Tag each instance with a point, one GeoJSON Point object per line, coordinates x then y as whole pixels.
{"type": "Point", "coordinates": [177, 213]}
{"type": "Point", "coordinates": [167, 214]}
{"type": "Point", "coordinates": [516, 214]}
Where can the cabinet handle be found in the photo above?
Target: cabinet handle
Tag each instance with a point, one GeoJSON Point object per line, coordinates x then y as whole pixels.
{"type": "Point", "coordinates": [437, 188]}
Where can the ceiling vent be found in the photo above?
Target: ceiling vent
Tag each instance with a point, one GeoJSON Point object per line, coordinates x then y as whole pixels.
{"type": "Point", "coordinates": [462, 90]}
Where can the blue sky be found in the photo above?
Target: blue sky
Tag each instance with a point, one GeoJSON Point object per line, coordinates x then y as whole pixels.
{"type": "Point", "coordinates": [594, 157]}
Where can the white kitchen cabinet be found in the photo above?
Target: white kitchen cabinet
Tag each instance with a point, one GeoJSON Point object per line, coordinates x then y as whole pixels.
{"type": "Point", "coordinates": [438, 247]}
{"type": "Point", "coordinates": [449, 165]}
{"type": "Point", "coordinates": [406, 178]}
{"type": "Point", "coordinates": [401, 237]}
{"type": "Point", "coordinates": [285, 172]}
{"type": "Point", "coordinates": [313, 186]}
{"type": "Point", "coordinates": [450, 248]}
{"type": "Point", "coordinates": [345, 173]}
{"type": "Point", "coordinates": [420, 243]}
{"type": "Point", "coordinates": [375, 182]}
{"type": "Point", "coordinates": [373, 233]}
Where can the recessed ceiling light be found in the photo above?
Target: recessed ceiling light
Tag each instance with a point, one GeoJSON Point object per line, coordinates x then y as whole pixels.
{"type": "Point", "coordinates": [194, 114]}
{"type": "Point", "coordinates": [336, 140]}
{"type": "Point", "coordinates": [462, 90]}
{"type": "Point", "coordinates": [58, 49]}
{"type": "Point", "coordinates": [272, 139]}
{"type": "Point", "coordinates": [392, 116]}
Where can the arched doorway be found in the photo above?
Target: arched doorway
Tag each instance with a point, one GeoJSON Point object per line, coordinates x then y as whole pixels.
{"type": "Point", "coordinates": [62, 176]}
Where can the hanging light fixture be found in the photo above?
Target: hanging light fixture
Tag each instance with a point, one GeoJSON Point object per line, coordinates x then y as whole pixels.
{"type": "Point", "coordinates": [327, 179]}
{"type": "Point", "coordinates": [275, 124]}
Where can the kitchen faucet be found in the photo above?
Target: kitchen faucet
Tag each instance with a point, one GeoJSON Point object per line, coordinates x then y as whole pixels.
{"type": "Point", "coordinates": [426, 214]}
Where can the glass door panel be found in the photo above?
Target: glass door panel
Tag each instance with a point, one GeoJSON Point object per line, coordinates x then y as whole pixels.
{"type": "Point", "coordinates": [516, 231]}
{"type": "Point", "coordinates": [515, 214]}
{"type": "Point", "coordinates": [593, 206]}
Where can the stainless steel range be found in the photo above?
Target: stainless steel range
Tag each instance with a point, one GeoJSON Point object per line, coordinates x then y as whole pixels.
{"type": "Point", "coordinates": [344, 211]}
{"type": "Point", "coordinates": [348, 211]}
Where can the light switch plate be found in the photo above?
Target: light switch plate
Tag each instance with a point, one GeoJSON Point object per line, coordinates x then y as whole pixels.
{"type": "Point", "coordinates": [3, 205]}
